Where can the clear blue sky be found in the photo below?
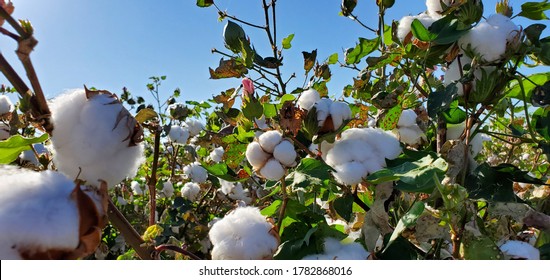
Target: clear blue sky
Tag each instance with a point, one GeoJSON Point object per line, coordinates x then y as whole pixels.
{"type": "Point", "coordinates": [110, 44]}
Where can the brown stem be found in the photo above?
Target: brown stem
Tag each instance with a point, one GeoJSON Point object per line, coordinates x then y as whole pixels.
{"type": "Point", "coordinates": [225, 14]}
{"type": "Point", "coordinates": [273, 43]}
{"type": "Point", "coordinates": [131, 236]}
{"type": "Point", "coordinates": [359, 202]}
{"type": "Point", "coordinates": [9, 34]}
{"type": "Point", "coordinates": [153, 180]}
{"type": "Point", "coordinates": [355, 18]}
{"type": "Point", "coordinates": [441, 133]}
{"type": "Point", "coordinates": [303, 147]}
{"type": "Point", "coordinates": [283, 206]}
{"type": "Point", "coordinates": [175, 248]}
{"type": "Point", "coordinates": [4, 14]}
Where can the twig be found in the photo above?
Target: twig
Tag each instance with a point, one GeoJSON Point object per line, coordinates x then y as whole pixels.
{"type": "Point", "coordinates": [153, 180]}
{"type": "Point", "coordinates": [273, 43]}
{"type": "Point", "coordinates": [283, 206]}
{"type": "Point", "coordinates": [175, 248]}
{"type": "Point", "coordinates": [354, 18]}
{"type": "Point", "coordinates": [131, 236]}
{"type": "Point", "coordinates": [225, 14]}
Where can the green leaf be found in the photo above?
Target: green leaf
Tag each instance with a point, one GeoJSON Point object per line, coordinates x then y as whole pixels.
{"type": "Point", "coordinates": [309, 173]}
{"type": "Point", "coordinates": [343, 206]}
{"type": "Point", "coordinates": [347, 7]}
{"type": "Point", "coordinates": [287, 41]}
{"type": "Point", "coordinates": [286, 97]}
{"type": "Point", "coordinates": [421, 32]}
{"type": "Point", "coordinates": [408, 220]}
{"type": "Point", "coordinates": [272, 210]}
{"type": "Point", "coordinates": [332, 59]}
{"type": "Point", "coordinates": [447, 31]}
{"type": "Point", "coordinates": [476, 246]}
{"type": "Point", "coordinates": [298, 248]}
{"type": "Point", "coordinates": [529, 85]}
{"type": "Point", "coordinates": [391, 118]}
{"type": "Point", "coordinates": [233, 35]}
{"type": "Point", "coordinates": [253, 110]}
{"type": "Point", "coordinates": [533, 32]}
{"type": "Point", "coordinates": [13, 146]}
{"type": "Point", "coordinates": [534, 10]}
{"type": "Point", "coordinates": [541, 119]}
{"type": "Point", "coordinates": [362, 49]}
{"type": "Point", "coordinates": [399, 249]}
{"type": "Point", "coordinates": [441, 100]}
{"type": "Point", "coordinates": [454, 115]}
{"type": "Point", "coordinates": [145, 115]}
{"type": "Point", "coordinates": [205, 3]}
{"type": "Point", "coordinates": [270, 110]}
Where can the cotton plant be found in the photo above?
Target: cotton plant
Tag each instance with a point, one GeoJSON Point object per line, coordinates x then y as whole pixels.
{"type": "Point", "coordinates": [270, 154]}
{"type": "Point", "coordinates": [45, 215]}
{"type": "Point", "coordinates": [95, 137]}
{"type": "Point", "coordinates": [333, 249]}
{"type": "Point", "coordinates": [243, 234]}
{"type": "Point", "coordinates": [407, 129]}
{"type": "Point", "coordinates": [195, 172]}
{"type": "Point", "coordinates": [404, 25]}
{"type": "Point", "coordinates": [361, 151]}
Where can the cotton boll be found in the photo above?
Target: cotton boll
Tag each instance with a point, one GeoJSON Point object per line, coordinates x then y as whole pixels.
{"type": "Point", "coordinates": [407, 118]}
{"type": "Point", "coordinates": [178, 134]}
{"type": "Point", "coordinates": [454, 131]}
{"type": "Point", "coordinates": [404, 26]}
{"type": "Point", "coordinates": [256, 155]}
{"type": "Point", "coordinates": [308, 99]}
{"type": "Point", "coordinates": [243, 234]}
{"type": "Point", "coordinates": [504, 25]}
{"type": "Point", "coordinates": [284, 152]}
{"type": "Point", "coordinates": [339, 112]}
{"type": "Point", "coordinates": [268, 140]}
{"type": "Point", "coordinates": [323, 110]}
{"type": "Point", "coordinates": [434, 8]}
{"type": "Point", "coordinates": [340, 153]}
{"type": "Point", "coordinates": [190, 191]}
{"type": "Point", "coordinates": [195, 127]}
{"type": "Point", "coordinates": [136, 188]}
{"type": "Point", "coordinates": [95, 137]}
{"type": "Point", "coordinates": [411, 135]}
{"type": "Point", "coordinates": [272, 170]}
{"type": "Point", "coordinates": [453, 73]}
{"type": "Point", "coordinates": [195, 172]}
{"type": "Point", "coordinates": [335, 250]}
{"type": "Point", "coordinates": [5, 105]}
{"type": "Point", "coordinates": [350, 173]}
{"type": "Point", "coordinates": [520, 250]}
{"type": "Point", "coordinates": [39, 214]}
{"type": "Point", "coordinates": [217, 154]}
{"type": "Point", "coordinates": [384, 142]}
{"type": "Point", "coordinates": [30, 157]}
{"type": "Point", "coordinates": [4, 131]}
{"type": "Point", "coordinates": [372, 165]}
{"type": "Point", "coordinates": [235, 191]}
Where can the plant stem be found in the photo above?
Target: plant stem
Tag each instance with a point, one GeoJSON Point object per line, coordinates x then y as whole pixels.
{"type": "Point", "coordinates": [273, 42]}
{"type": "Point", "coordinates": [225, 14]}
{"type": "Point", "coordinates": [131, 236]}
{"type": "Point", "coordinates": [283, 206]}
{"type": "Point", "coordinates": [175, 248]}
{"type": "Point", "coordinates": [153, 180]}
{"type": "Point", "coordinates": [355, 18]}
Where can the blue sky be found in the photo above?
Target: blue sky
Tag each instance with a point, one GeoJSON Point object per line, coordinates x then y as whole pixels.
{"type": "Point", "coordinates": [110, 44]}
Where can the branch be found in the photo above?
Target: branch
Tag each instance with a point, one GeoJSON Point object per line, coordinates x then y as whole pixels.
{"type": "Point", "coordinates": [283, 206]}
{"type": "Point", "coordinates": [272, 42]}
{"type": "Point", "coordinates": [175, 248]}
{"type": "Point", "coordinates": [225, 14]}
{"type": "Point", "coordinates": [153, 180]}
{"type": "Point", "coordinates": [353, 17]}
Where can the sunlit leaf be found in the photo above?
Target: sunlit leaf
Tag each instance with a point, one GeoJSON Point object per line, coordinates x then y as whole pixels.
{"type": "Point", "coordinates": [13, 146]}
{"type": "Point", "coordinates": [287, 41]}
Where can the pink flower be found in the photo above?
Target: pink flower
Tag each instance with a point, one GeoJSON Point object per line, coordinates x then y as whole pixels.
{"type": "Point", "coordinates": [248, 87]}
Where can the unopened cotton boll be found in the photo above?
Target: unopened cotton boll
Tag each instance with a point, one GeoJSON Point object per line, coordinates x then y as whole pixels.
{"type": "Point", "coordinates": [178, 134]}
{"type": "Point", "coordinates": [268, 140]}
{"type": "Point", "coordinates": [39, 215]}
{"type": "Point", "coordinates": [95, 137]}
{"type": "Point", "coordinates": [284, 152]}
{"type": "Point", "coordinates": [195, 172]}
{"type": "Point", "coordinates": [256, 155]}
{"type": "Point", "coordinates": [335, 250]}
{"type": "Point", "coordinates": [520, 250]}
{"type": "Point", "coordinates": [5, 105]}
{"type": "Point", "coordinates": [243, 234]}
{"type": "Point", "coordinates": [272, 170]}
{"type": "Point", "coordinates": [195, 126]}
{"type": "Point", "coordinates": [190, 191]}
{"type": "Point", "coordinates": [308, 99]}
{"type": "Point", "coordinates": [217, 154]}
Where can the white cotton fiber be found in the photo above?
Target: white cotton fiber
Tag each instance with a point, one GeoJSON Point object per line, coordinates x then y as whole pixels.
{"type": "Point", "coordinates": [256, 155]}
{"type": "Point", "coordinates": [195, 127]}
{"type": "Point", "coordinates": [339, 111]}
{"type": "Point", "coordinates": [350, 173]}
{"type": "Point", "coordinates": [268, 140]}
{"type": "Point", "coordinates": [520, 250]}
{"type": "Point", "coordinates": [454, 131]}
{"type": "Point", "coordinates": [217, 154]}
{"type": "Point", "coordinates": [178, 134]}
{"type": "Point", "coordinates": [190, 191]}
{"type": "Point", "coordinates": [5, 105]}
{"type": "Point", "coordinates": [4, 131]}
{"type": "Point", "coordinates": [235, 191]}
{"type": "Point", "coordinates": [407, 118]}
{"type": "Point", "coordinates": [167, 190]}
{"type": "Point", "coordinates": [136, 188]}
{"type": "Point", "coordinates": [404, 25]}
{"type": "Point", "coordinates": [284, 152]}
{"type": "Point", "coordinates": [434, 8]}
{"type": "Point", "coordinates": [92, 138]}
{"type": "Point", "coordinates": [243, 234]}
{"type": "Point", "coordinates": [36, 212]}
{"type": "Point", "coordinates": [407, 129]}
{"type": "Point", "coordinates": [195, 172]}
{"type": "Point", "coordinates": [308, 98]}
{"type": "Point", "coordinates": [272, 170]}
{"type": "Point", "coordinates": [335, 250]}
{"type": "Point", "coordinates": [323, 110]}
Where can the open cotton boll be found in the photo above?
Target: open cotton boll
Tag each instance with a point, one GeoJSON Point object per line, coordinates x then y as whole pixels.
{"type": "Point", "coordinates": [178, 134]}
{"type": "Point", "coordinates": [434, 8]}
{"type": "Point", "coordinates": [95, 137]}
{"type": "Point", "coordinates": [243, 234]}
{"type": "Point", "coordinates": [383, 142]}
{"type": "Point", "coordinates": [40, 215]}
{"type": "Point", "coordinates": [5, 105]}
{"type": "Point", "coordinates": [454, 131]}
{"type": "Point", "coordinates": [323, 110]}
{"type": "Point", "coordinates": [350, 173]}
{"type": "Point", "coordinates": [268, 140]}
{"type": "Point", "coordinates": [217, 154]}
{"type": "Point", "coordinates": [284, 152]}
{"type": "Point", "coordinates": [410, 135]}
{"type": "Point", "coordinates": [339, 111]}
{"type": "Point", "coordinates": [407, 118]}
{"type": "Point", "coordinates": [505, 25]}
{"type": "Point", "coordinates": [190, 191]}
{"type": "Point", "coordinates": [167, 190]}
{"type": "Point", "coordinates": [256, 155]}
{"type": "Point", "coordinates": [195, 127]}
{"type": "Point", "coordinates": [136, 188]}
{"type": "Point", "coordinates": [520, 250]}
{"type": "Point", "coordinates": [404, 25]}
{"type": "Point", "coordinates": [195, 172]}
{"type": "Point", "coordinates": [235, 191]}
{"type": "Point", "coordinates": [335, 250]}
{"type": "Point", "coordinates": [4, 131]}
{"type": "Point", "coordinates": [272, 170]}
{"type": "Point", "coordinates": [308, 99]}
